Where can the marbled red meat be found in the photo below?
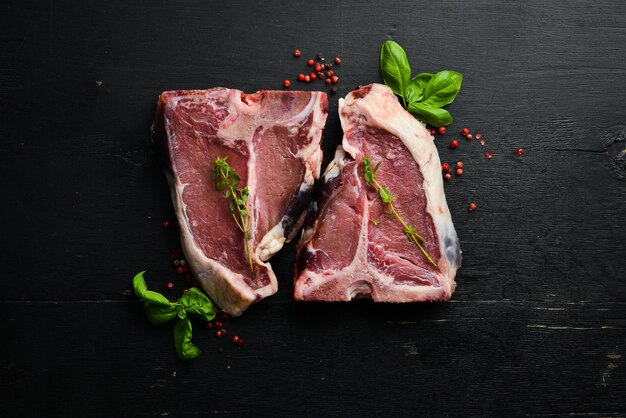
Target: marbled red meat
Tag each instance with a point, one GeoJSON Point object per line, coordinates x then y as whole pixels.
{"type": "Point", "coordinates": [354, 247]}
{"type": "Point", "coordinates": [272, 140]}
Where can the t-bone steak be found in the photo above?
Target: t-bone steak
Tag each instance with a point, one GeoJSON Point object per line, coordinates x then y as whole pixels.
{"type": "Point", "coordinates": [354, 247]}
{"type": "Point", "coordinates": [272, 139]}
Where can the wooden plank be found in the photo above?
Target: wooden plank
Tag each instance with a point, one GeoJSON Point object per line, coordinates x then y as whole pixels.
{"type": "Point", "coordinates": [476, 358]}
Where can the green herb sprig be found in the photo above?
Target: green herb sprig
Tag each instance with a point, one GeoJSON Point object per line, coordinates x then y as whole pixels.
{"type": "Point", "coordinates": [385, 195]}
{"type": "Point", "coordinates": [423, 95]}
{"type": "Point", "coordinates": [160, 310]}
{"type": "Point", "coordinates": [227, 179]}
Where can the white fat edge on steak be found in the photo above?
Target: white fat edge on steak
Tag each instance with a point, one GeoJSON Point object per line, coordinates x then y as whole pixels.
{"type": "Point", "coordinates": [311, 155]}
{"type": "Point", "coordinates": [360, 265]}
{"type": "Point", "coordinates": [211, 274]}
{"type": "Point", "coordinates": [416, 138]}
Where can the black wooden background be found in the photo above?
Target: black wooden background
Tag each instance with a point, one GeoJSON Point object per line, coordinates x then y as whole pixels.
{"type": "Point", "coordinates": [537, 325]}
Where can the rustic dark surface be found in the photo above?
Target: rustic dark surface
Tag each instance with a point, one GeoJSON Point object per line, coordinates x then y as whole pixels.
{"type": "Point", "coordinates": [537, 325]}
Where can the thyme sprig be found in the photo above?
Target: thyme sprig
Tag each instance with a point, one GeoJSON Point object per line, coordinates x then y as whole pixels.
{"type": "Point", "coordinates": [385, 195]}
{"type": "Point", "coordinates": [227, 179]}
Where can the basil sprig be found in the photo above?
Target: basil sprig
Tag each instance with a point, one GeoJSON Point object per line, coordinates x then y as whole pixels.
{"type": "Point", "coordinates": [423, 95]}
{"type": "Point", "coordinates": [160, 310]}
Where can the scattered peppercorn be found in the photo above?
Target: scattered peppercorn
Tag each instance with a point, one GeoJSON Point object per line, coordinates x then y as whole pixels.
{"type": "Point", "coordinates": [329, 73]}
{"type": "Point", "coordinates": [478, 136]}
{"type": "Point", "coordinates": [488, 154]}
{"type": "Point", "coordinates": [170, 286]}
{"type": "Point", "coordinates": [454, 143]}
{"type": "Point", "coordinates": [320, 56]}
{"type": "Point", "coordinates": [520, 151]}
{"type": "Point", "coordinates": [445, 167]}
{"type": "Point", "coordinates": [337, 60]}
{"type": "Point", "coordinates": [459, 171]}
{"type": "Point", "coordinates": [300, 77]}
{"type": "Point", "coordinates": [441, 130]}
{"type": "Point", "coordinates": [334, 79]}
{"type": "Point", "coordinates": [236, 339]}
{"type": "Point", "coordinates": [209, 325]}
{"type": "Point", "coordinates": [464, 131]}
{"type": "Point", "coordinates": [166, 224]}
{"type": "Point", "coordinates": [185, 290]}
{"type": "Point", "coordinates": [286, 84]}
{"type": "Point", "coordinates": [241, 341]}
{"type": "Point", "coordinates": [318, 68]}
{"type": "Point", "coordinates": [327, 81]}
{"type": "Point", "coordinates": [219, 333]}
{"type": "Point", "coordinates": [333, 90]}
{"type": "Point", "coordinates": [472, 207]}
{"type": "Point", "coordinates": [313, 76]}
{"type": "Point", "coordinates": [432, 132]}
{"type": "Point", "coordinates": [310, 63]}
{"type": "Point", "coordinates": [179, 270]}
{"type": "Point", "coordinates": [307, 79]}
{"type": "Point", "coordinates": [459, 164]}
{"type": "Point", "coordinates": [470, 137]}
{"type": "Point", "coordinates": [219, 325]}
{"type": "Point", "coordinates": [297, 53]}
{"type": "Point", "coordinates": [482, 142]}
{"type": "Point", "coordinates": [447, 176]}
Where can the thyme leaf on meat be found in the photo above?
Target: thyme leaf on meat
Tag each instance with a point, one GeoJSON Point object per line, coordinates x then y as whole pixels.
{"type": "Point", "coordinates": [369, 173]}
{"type": "Point", "coordinates": [227, 179]}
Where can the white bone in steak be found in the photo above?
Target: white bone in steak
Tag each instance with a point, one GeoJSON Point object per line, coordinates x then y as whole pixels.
{"type": "Point", "coordinates": [354, 247]}
{"type": "Point", "coordinates": [272, 140]}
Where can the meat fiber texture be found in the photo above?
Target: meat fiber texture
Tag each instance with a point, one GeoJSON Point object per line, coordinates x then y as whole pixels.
{"type": "Point", "coordinates": [272, 139]}
{"type": "Point", "coordinates": [354, 247]}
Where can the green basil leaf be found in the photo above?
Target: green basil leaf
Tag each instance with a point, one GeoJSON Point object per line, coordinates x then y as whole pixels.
{"type": "Point", "coordinates": [158, 314]}
{"type": "Point", "coordinates": [197, 304]}
{"type": "Point", "coordinates": [182, 340]}
{"type": "Point", "coordinates": [148, 296]}
{"type": "Point", "coordinates": [414, 90]}
{"type": "Point", "coordinates": [442, 88]}
{"type": "Point", "coordinates": [434, 116]}
{"type": "Point", "coordinates": [394, 67]}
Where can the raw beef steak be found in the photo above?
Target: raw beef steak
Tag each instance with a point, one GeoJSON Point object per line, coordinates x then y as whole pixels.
{"type": "Point", "coordinates": [272, 140]}
{"type": "Point", "coordinates": [355, 247]}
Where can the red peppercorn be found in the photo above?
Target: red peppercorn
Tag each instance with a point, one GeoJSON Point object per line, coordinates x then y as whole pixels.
{"type": "Point", "coordinates": [170, 286]}
{"type": "Point", "coordinates": [219, 333]}
{"type": "Point", "coordinates": [241, 341]}
{"type": "Point", "coordinates": [454, 143]}
{"type": "Point", "coordinates": [224, 316]}
{"type": "Point", "coordinates": [432, 132]}
{"type": "Point", "coordinates": [329, 73]}
{"type": "Point", "coordinates": [472, 207]}
{"type": "Point", "coordinates": [185, 290]}
{"type": "Point", "coordinates": [327, 81]}
{"type": "Point", "coordinates": [318, 68]}
{"type": "Point", "coordinates": [179, 270]}
{"type": "Point", "coordinates": [470, 137]}
{"type": "Point", "coordinates": [520, 151]}
{"type": "Point", "coordinates": [447, 176]}
{"type": "Point", "coordinates": [337, 60]}
{"type": "Point", "coordinates": [488, 154]}
{"type": "Point", "coordinates": [286, 84]}
{"type": "Point", "coordinates": [307, 78]}
{"type": "Point", "coordinates": [166, 224]}
{"type": "Point", "coordinates": [236, 339]}
{"type": "Point", "coordinates": [300, 77]}
{"type": "Point", "coordinates": [442, 130]}
{"type": "Point", "coordinates": [313, 76]}
{"type": "Point", "coordinates": [219, 325]}
{"type": "Point", "coordinates": [459, 164]}
{"type": "Point", "coordinates": [445, 167]}
{"type": "Point", "coordinates": [310, 63]}
{"type": "Point", "coordinates": [209, 325]}
{"type": "Point", "coordinates": [297, 53]}
{"type": "Point", "coordinates": [464, 131]}
{"type": "Point", "coordinates": [459, 171]}
{"type": "Point", "coordinates": [478, 136]}
{"type": "Point", "coordinates": [334, 79]}
{"type": "Point", "coordinates": [482, 142]}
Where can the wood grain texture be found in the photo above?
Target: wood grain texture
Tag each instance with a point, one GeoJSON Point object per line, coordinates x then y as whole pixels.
{"type": "Point", "coordinates": [537, 325]}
